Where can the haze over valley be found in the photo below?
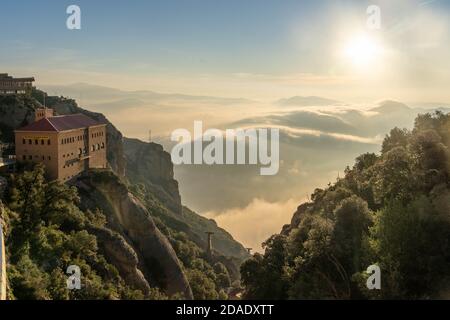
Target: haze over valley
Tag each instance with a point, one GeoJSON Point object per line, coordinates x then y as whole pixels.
{"type": "Point", "coordinates": [319, 138]}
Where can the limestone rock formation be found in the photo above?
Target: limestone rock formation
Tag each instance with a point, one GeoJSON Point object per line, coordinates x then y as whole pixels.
{"type": "Point", "coordinates": [123, 257]}
{"type": "Point", "coordinates": [149, 251]}
{"type": "Point", "coordinates": [149, 164]}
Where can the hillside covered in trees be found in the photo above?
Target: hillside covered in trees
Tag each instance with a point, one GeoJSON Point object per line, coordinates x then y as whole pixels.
{"type": "Point", "coordinates": [392, 210]}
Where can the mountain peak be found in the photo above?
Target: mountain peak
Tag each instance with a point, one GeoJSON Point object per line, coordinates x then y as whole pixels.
{"type": "Point", "coordinates": [389, 106]}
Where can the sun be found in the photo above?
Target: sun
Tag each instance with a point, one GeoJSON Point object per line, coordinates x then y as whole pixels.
{"type": "Point", "coordinates": [363, 51]}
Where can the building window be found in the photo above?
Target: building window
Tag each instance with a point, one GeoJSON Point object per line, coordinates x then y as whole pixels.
{"type": "Point", "coordinates": [24, 141]}
{"type": "Point", "coordinates": [29, 141]}
{"type": "Point", "coordinates": [30, 157]}
{"type": "Point", "coordinates": [36, 142]}
{"type": "Point", "coordinates": [42, 142]}
{"type": "Point", "coordinates": [103, 145]}
{"type": "Point", "coordinates": [24, 157]}
{"type": "Point", "coordinates": [43, 158]}
{"type": "Point", "coordinates": [49, 158]}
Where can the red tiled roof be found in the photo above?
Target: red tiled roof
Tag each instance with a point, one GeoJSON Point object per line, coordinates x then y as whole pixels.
{"type": "Point", "coordinates": [61, 123]}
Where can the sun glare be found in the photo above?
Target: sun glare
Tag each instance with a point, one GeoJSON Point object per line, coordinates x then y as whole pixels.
{"type": "Point", "coordinates": [363, 51]}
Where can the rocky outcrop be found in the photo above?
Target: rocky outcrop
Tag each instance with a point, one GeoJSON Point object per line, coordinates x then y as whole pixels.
{"type": "Point", "coordinates": [296, 218]}
{"type": "Point", "coordinates": [122, 256]}
{"type": "Point", "coordinates": [149, 252]}
{"type": "Point", "coordinates": [15, 112]}
{"type": "Point", "coordinates": [149, 164]}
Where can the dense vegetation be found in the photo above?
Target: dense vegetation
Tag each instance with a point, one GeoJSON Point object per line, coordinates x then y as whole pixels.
{"type": "Point", "coordinates": [46, 231]}
{"type": "Point", "coordinates": [391, 209]}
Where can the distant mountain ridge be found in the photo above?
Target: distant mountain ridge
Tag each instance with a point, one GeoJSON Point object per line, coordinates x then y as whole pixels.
{"type": "Point", "coordinates": [300, 101]}
{"type": "Point", "coordinates": [390, 106]}
{"type": "Point", "coordinates": [103, 94]}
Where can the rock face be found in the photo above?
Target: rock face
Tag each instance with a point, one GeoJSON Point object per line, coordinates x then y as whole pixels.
{"type": "Point", "coordinates": [149, 164]}
{"type": "Point", "coordinates": [14, 113]}
{"type": "Point", "coordinates": [138, 249]}
{"type": "Point", "coordinates": [123, 257]}
{"type": "Point", "coordinates": [296, 218]}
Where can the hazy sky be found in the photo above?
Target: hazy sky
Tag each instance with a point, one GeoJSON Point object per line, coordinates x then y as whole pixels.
{"type": "Point", "coordinates": [254, 49]}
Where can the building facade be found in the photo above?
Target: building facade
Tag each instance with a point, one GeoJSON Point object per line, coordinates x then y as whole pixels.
{"type": "Point", "coordinates": [67, 145]}
{"type": "Point", "coordinates": [11, 85]}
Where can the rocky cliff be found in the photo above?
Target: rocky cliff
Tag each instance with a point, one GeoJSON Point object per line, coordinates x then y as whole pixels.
{"type": "Point", "coordinates": [132, 241]}
{"type": "Point", "coordinates": [149, 164]}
